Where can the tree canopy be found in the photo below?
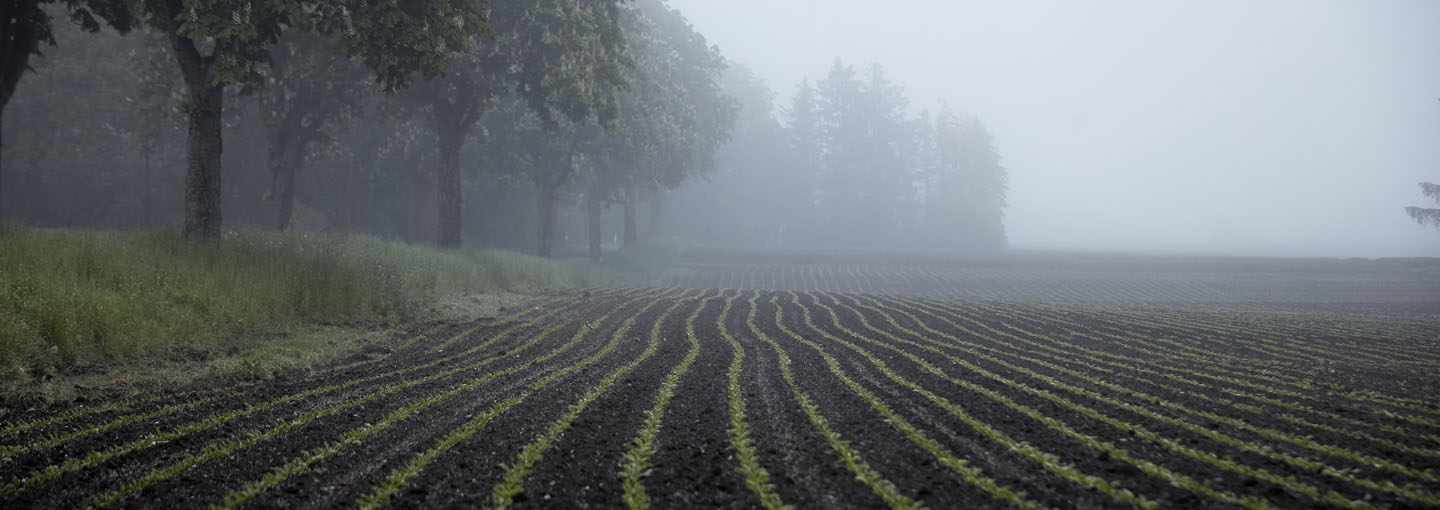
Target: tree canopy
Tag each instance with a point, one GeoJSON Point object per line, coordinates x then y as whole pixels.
{"type": "Point", "coordinates": [561, 120]}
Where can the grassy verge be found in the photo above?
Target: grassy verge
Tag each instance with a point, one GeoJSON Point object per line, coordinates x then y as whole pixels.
{"type": "Point", "coordinates": [87, 311]}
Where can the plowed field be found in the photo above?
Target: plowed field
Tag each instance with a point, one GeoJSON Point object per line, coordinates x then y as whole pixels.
{"type": "Point", "coordinates": [755, 396]}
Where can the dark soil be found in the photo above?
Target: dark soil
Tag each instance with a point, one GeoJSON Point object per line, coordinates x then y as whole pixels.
{"type": "Point", "coordinates": [1364, 378]}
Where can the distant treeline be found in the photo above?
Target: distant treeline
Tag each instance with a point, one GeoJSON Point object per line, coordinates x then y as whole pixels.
{"type": "Point", "coordinates": [845, 165]}
{"type": "Point", "coordinates": [535, 126]}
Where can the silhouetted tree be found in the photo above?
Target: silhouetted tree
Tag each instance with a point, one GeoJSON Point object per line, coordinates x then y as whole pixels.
{"type": "Point", "coordinates": [1427, 216]}
{"type": "Point", "coordinates": [864, 177]}
{"type": "Point", "coordinates": [83, 154]}
{"type": "Point", "coordinates": [562, 58]}
{"type": "Point", "coordinates": [674, 117]}
{"type": "Point", "coordinates": [309, 89]}
{"type": "Point", "coordinates": [758, 152]}
{"type": "Point", "coordinates": [25, 25]}
{"type": "Point", "coordinates": [965, 198]}
{"type": "Point", "coordinates": [218, 44]}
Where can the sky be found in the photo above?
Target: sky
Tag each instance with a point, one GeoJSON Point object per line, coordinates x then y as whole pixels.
{"type": "Point", "coordinates": [1239, 127]}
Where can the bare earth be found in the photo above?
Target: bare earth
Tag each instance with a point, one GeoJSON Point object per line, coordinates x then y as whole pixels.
{"type": "Point", "coordinates": [840, 382]}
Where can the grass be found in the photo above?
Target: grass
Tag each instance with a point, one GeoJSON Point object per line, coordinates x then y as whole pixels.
{"type": "Point", "coordinates": [84, 311]}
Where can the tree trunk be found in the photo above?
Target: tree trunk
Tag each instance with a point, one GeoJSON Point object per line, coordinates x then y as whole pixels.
{"type": "Point", "coordinates": [657, 202]}
{"type": "Point", "coordinates": [415, 206]}
{"type": "Point", "coordinates": [205, 104]}
{"type": "Point", "coordinates": [202, 163]}
{"type": "Point", "coordinates": [145, 192]}
{"type": "Point", "coordinates": [546, 212]}
{"type": "Point", "coordinates": [353, 199]}
{"type": "Point", "coordinates": [631, 237]}
{"type": "Point", "coordinates": [202, 168]}
{"type": "Point", "coordinates": [592, 219]}
{"type": "Point", "coordinates": [447, 182]}
{"type": "Point", "coordinates": [284, 159]}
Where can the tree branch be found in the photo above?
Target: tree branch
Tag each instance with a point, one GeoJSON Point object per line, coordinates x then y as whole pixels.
{"type": "Point", "coordinates": [1425, 217]}
{"type": "Point", "coordinates": [1431, 190]}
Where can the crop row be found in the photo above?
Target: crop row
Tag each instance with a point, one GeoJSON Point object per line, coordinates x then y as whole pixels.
{"type": "Point", "coordinates": [324, 398]}
{"type": "Point", "coordinates": [950, 282]}
{"type": "Point", "coordinates": [914, 402]}
{"type": "Point", "coordinates": [1071, 281]}
{"type": "Point", "coordinates": [53, 430]}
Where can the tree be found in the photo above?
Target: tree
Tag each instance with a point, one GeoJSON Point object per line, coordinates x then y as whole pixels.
{"type": "Point", "coordinates": [731, 206]}
{"type": "Point", "coordinates": [965, 191]}
{"type": "Point", "coordinates": [674, 118]}
{"type": "Point", "coordinates": [222, 43]}
{"type": "Point", "coordinates": [864, 177]}
{"type": "Point", "coordinates": [82, 154]}
{"type": "Point", "coordinates": [1426, 216]}
{"type": "Point", "coordinates": [308, 89]}
{"type": "Point", "coordinates": [153, 107]}
{"type": "Point", "coordinates": [25, 25]}
{"type": "Point", "coordinates": [803, 124]}
{"type": "Point", "coordinates": [562, 58]}
{"type": "Point", "coordinates": [518, 140]}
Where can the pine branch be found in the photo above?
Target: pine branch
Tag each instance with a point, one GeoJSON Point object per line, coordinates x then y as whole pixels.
{"type": "Point", "coordinates": [1425, 217]}
{"type": "Point", "coordinates": [1431, 190]}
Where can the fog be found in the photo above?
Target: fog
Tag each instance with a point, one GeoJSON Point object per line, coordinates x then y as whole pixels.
{"type": "Point", "coordinates": [1295, 128]}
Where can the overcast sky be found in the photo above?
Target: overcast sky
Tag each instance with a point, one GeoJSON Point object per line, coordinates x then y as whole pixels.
{"type": "Point", "coordinates": [1294, 127]}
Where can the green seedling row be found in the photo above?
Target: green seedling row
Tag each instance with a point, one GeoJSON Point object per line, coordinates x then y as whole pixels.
{"type": "Point", "coordinates": [1047, 461]}
{"type": "Point", "coordinates": [1301, 441]}
{"type": "Point", "coordinates": [757, 479]}
{"type": "Point", "coordinates": [637, 459]}
{"type": "Point", "coordinates": [512, 481]}
{"type": "Point", "coordinates": [1219, 326]}
{"type": "Point", "coordinates": [12, 428]}
{"type": "Point", "coordinates": [171, 408]}
{"type": "Point", "coordinates": [849, 457]}
{"type": "Point", "coordinates": [1276, 378]}
{"type": "Point", "coordinates": [400, 476]}
{"type": "Point", "coordinates": [355, 436]}
{"type": "Point", "coordinates": [1006, 404]}
{"type": "Point", "coordinates": [1288, 482]}
{"type": "Point", "coordinates": [51, 440]}
{"type": "Point", "coordinates": [222, 449]}
{"type": "Point", "coordinates": [1121, 370]}
{"type": "Point", "coordinates": [1237, 365]}
{"type": "Point", "coordinates": [95, 458]}
{"type": "Point", "coordinates": [1170, 348]}
{"type": "Point", "coordinates": [1190, 376]}
{"type": "Point", "coordinates": [1284, 345]}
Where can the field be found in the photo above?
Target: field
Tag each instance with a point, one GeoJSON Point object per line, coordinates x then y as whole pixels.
{"type": "Point", "coordinates": [832, 382]}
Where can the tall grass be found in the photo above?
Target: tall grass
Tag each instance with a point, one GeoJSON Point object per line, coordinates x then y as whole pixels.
{"type": "Point", "coordinates": [79, 301]}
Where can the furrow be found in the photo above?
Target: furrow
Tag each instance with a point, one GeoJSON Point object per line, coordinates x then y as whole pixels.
{"type": "Point", "coordinates": [638, 458]}
{"type": "Point", "coordinates": [97, 457]}
{"type": "Point", "coordinates": [1045, 460]}
{"type": "Point", "coordinates": [757, 478]}
{"type": "Point", "coordinates": [512, 484]}
{"type": "Point", "coordinates": [400, 477]}
{"type": "Point", "coordinates": [1303, 463]}
{"type": "Point", "coordinates": [355, 436]}
{"type": "Point", "coordinates": [849, 457]}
